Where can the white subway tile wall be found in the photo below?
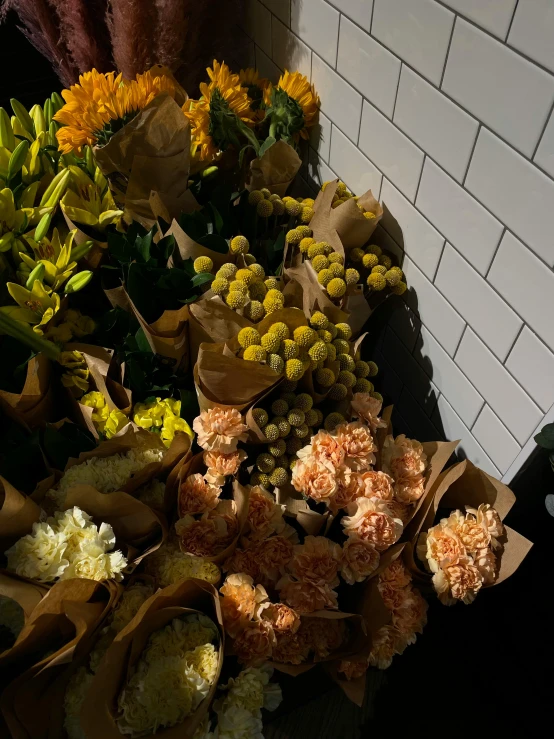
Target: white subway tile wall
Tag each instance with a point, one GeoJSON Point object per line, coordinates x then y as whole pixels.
{"type": "Point", "coordinates": [445, 109]}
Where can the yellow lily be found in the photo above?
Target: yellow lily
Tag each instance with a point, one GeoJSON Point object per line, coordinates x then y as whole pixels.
{"type": "Point", "coordinates": [54, 257]}
{"type": "Point", "coordinates": [84, 202]}
{"type": "Point", "coordinates": [11, 219]}
{"type": "Point", "coordinates": [42, 304]}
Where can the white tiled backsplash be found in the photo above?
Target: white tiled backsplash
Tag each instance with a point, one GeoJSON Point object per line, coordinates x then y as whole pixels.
{"type": "Point", "coordinates": [444, 108]}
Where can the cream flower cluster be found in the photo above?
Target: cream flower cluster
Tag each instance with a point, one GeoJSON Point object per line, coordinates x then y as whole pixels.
{"type": "Point", "coordinates": [169, 564]}
{"type": "Point", "coordinates": [106, 474]}
{"type": "Point", "coordinates": [172, 677]}
{"type": "Point", "coordinates": [459, 553]}
{"type": "Point", "coordinates": [67, 545]}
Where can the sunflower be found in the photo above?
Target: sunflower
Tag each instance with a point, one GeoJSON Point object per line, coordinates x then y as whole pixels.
{"type": "Point", "coordinates": [102, 104]}
{"type": "Point", "coordinates": [222, 115]}
{"type": "Point", "coordinates": [256, 86]}
{"type": "Point", "coordinates": [292, 106]}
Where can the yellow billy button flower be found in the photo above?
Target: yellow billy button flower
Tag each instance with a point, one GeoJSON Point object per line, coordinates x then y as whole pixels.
{"type": "Point", "coordinates": [240, 244]}
{"type": "Point", "coordinates": [203, 264]}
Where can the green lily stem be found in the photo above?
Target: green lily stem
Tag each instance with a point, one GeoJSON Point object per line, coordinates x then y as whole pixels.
{"type": "Point", "coordinates": [27, 336]}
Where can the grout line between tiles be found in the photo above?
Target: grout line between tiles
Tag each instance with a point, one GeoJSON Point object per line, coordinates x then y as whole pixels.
{"type": "Point", "coordinates": [511, 22]}
{"type": "Point", "coordinates": [486, 277]}
{"type": "Point", "coordinates": [338, 43]}
{"type": "Point", "coordinates": [448, 50]}
{"type": "Point", "coordinates": [548, 117]}
{"type": "Point", "coordinates": [464, 178]}
{"type": "Point", "coordinates": [396, 93]}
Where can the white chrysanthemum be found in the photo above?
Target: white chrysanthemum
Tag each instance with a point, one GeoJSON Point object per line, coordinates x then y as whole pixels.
{"type": "Point", "coordinates": [103, 567]}
{"type": "Point", "coordinates": [180, 636]}
{"type": "Point", "coordinates": [131, 600]}
{"type": "Point", "coordinates": [152, 493]}
{"type": "Point", "coordinates": [204, 660]}
{"type": "Point", "coordinates": [74, 697]}
{"type": "Point", "coordinates": [40, 555]}
{"type": "Point", "coordinates": [12, 616]}
{"type": "Point", "coordinates": [238, 723]}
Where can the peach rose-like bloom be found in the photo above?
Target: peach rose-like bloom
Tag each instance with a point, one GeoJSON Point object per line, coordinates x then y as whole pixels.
{"type": "Point", "coordinates": [396, 575]}
{"type": "Point", "coordinates": [240, 602]}
{"type": "Point", "coordinates": [378, 485]}
{"type": "Point", "coordinates": [353, 669]}
{"type": "Point", "coordinates": [197, 495]}
{"type": "Point", "coordinates": [370, 519]}
{"type": "Point", "coordinates": [387, 642]}
{"type": "Point", "coordinates": [440, 546]}
{"type": "Point", "coordinates": [220, 429]}
{"type": "Point", "coordinates": [291, 649]}
{"type": "Point", "coordinates": [255, 643]}
{"type": "Point", "coordinates": [367, 409]}
{"type": "Point", "coordinates": [494, 525]}
{"type": "Point", "coordinates": [265, 516]}
{"type": "Point", "coordinates": [222, 465]}
{"type": "Point", "coordinates": [479, 527]}
{"type": "Point", "coordinates": [306, 596]}
{"type": "Point", "coordinates": [325, 448]}
{"type": "Point", "coordinates": [458, 581]}
{"type": "Point", "coordinates": [244, 561]}
{"type": "Point", "coordinates": [359, 560]}
{"type": "Point", "coordinates": [324, 635]}
{"type": "Point", "coordinates": [356, 440]}
{"type": "Point", "coordinates": [199, 537]}
{"type": "Point", "coordinates": [273, 555]}
{"type": "Point", "coordinates": [284, 619]}
{"type": "Point", "coordinates": [411, 616]}
{"type": "Point", "coordinates": [350, 487]}
{"type": "Point", "coordinates": [405, 460]}
{"type": "Point", "coordinates": [316, 560]}
{"type": "Point", "coordinates": [314, 479]}
{"type": "Point", "coordinates": [485, 561]}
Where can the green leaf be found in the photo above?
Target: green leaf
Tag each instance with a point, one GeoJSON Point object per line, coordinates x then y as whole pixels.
{"type": "Point", "coordinates": [142, 341]}
{"type": "Point", "coordinates": [215, 243]}
{"type": "Point", "coordinates": [267, 144]}
{"type": "Point", "coordinates": [67, 441]}
{"type": "Point", "coordinates": [201, 279]}
{"type": "Point", "coordinates": [545, 438]}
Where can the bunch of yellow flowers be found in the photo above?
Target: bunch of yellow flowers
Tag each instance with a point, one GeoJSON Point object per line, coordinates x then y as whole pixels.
{"type": "Point", "coordinates": [382, 272]}
{"type": "Point", "coordinates": [161, 416]}
{"type": "Point", "coordinates": [342, 194]}
{"type": "Point", "coordinates": [107, 422]}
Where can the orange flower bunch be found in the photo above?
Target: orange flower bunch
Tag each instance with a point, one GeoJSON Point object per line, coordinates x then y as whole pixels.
{"type": "Point", "coordinates": [459, 553]}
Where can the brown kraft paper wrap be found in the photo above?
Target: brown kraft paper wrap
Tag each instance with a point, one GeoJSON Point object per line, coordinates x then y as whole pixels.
{"type": "Point", "coordinates": [190, 249]}
{"type": "Point", "coordinates": [211, 321]}
{"type": "Point", "coordinates": [35, 403]}
{"type": "Point", "coordinates": [99, 712]}
{"type": "Point", "coordinates": [167, 335]}
{"type": "Point", "coordinates": [275, 170]}
{"type": "Point", "coordinates": [305, 292]}
{"type": "Point", "coordinates": [64, 619]}
{"type": "Point", "coordinates": [27, 593]}
{"type": "Point", "coordinates": [353, 228]}
{"type": "Point", "coordinates": [18, 513]}
{"type": "Point", "coordinates": [151, 153]}
{"type": "Point", "coordinates": [471, 486]}
{"type": "Point", "coordinates": [322, 228]}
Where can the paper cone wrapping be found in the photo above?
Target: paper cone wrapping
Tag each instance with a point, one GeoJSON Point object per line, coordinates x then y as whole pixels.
{"type": "Point", "coordinates": [322, 228]}
{"type": "Point", "coordinates": [35, 403]}
{"type": "Point", "coordinates": [304, 291]}
{"type": "Point", "coordinates": [212, 321]}
{"type": "Point", "coordinates": [463, 485]}
{"type": "Point", "coordinates": [23, 591]}
{"type": "Point", "coordinates": [353, 228]}
{"type": "Point", "coordinates": [275, 170]}
{"type": "Point", "coordinates": [151, 153]}
{"type": "Point", "coordinates": [190, 249]}
{"type": "Point", "coordinates": [63, 621]}
{"type": "Point", "coordinates": [98, 716]}
{"type": "Point", "coordinates": [18, 513]}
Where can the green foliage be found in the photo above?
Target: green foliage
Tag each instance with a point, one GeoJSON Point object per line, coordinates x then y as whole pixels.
{"type": "Point", "coordinates": [545, 438]}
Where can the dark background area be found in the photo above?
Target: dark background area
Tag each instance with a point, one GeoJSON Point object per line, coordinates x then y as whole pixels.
{"type": "Point", "coordinates": [480, 670]}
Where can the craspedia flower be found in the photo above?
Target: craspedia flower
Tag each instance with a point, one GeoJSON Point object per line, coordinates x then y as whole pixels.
{"type": "Point", "coordinates": [258, 271]}
{"type": "Point", "coordinates": [332, 421]}
{"type": "Point", "coordinates": [319, 417]}
{"type": "Point", "coordinates": [272, 283]}
{"type": "Point", "coordinates": [274, 300]}
{"type": "Point", "coordinates": [293, 445]}
{"type": "Point", "coordinates": [280, 329]}
{"type": "Point", "coordinates": [310, 417]}
{"type": "Point", "coordinates": [304, 336]}
{"type": "Point", "coordinates": [254, 311]}
{"type": "Point", "coordinates": [293, 208]}
{"type": "Point", "coordinates": [277, 448]}
{"type": "Point", "coordinates": [306, 214]}
{"type": "Point", "coordinates": [373, 369]}
{"type": "Point", "coordinates": [331, 352]}
{"type": "Point", "coordinates": [257, 291]}
{"type": "Point", "coordinates": [279, 477]}
{"type": "Point", "coordinates": [376, 282]}
{"type": "Point", "coordinates": [362, 386]}
{"type": "Point", "coordinates": [255, 197]}
{"type": "Point", "coordinates": [319, 320]}
{"type": "Point", "coordinates": [356, 255]}
{"type": "Point", "coordinates": [273, 197]}
{"type": "Point", "coordinates": [385, 260]}
{"type": "Point", "coordinates": [341, 189]}
{"type": "Point", "coordinates": [238, 286]}
{"type": "Point", "coordinates": [325, 335]}
{"type": "Point", "coordinates": [265, 462]}
{"type": "Point", "coordinates": [248, 336]}
{"type": "Point", "coordinates": [398, 271]}
{"type": "Point", "coordinates": [336, 287]}
{"type": "Point", "coordinates": [344, 331]}
{"type": "Point", "coordinates": [271, 432]}
{"type": "Point", "coordinates": [361, 369]}
{"type": "Point", "coordinates": [399, 289]}
{"type": "Point", "coordinates": [265, 192]}
{"type": "Point", "coordinates": [392, 278]}
{"type": "Point", "coordinates": [289, 349]}
{"type": "Point", "coordinates": [295, 417]}
{"type": "Point", "coordinates": [279, 407]}
{"type": "Point", "coordinates": [255, 354]}
{"type": "Point", "coordinates": [342, 346]}
{"type": "Point", "coordinates": [379, 270]}
{"type": "Point", "coordinates": [325, 276]}
{"type": "Point", "coordinates": [370, 260]}
{"type": "Point", "coordinates": [264, 208]}
{"type": "Point", "coordinates": [306, 231]}
{"type": "Point", "coordinates": [325, 377]}
{"type": "Point", "coordinates": [293, 461]}
{"type": "Point", "coordinates": [336, 258]}
{"type": "Point", "coordinates": [260, 416]}
{"type": "Point", "coordinates": [220, 286]}
{"type": "Point", "coordinates": [278, 207]}
{"type": "Point", "coordinates": [271, 343]}
{"type": "Point", "coordinates": [293, 236]}
{"type": "Point", "coordinates": [239, 244]}
{"type": "Point", "coordinates": [281, 422]}
{"type": "Point", "coordinates": [352, 276]}
{"type": "Point", "coordinates": [245, 275]}
{"type": "Point", "coordinates": [260, 478]}
{"type": "Point", "coordinates": [294, 369]}
{"type": "Point", "coordinates": [377, 396]}
{"type": "Point", "coordinates": [346, 362]}
{"type": "Point", "coordinates": [289, 386]}
{"type": "Point", "coordinates": [318, 351]}
{"type": "Point", "coordinates": [289, 399]}
{"type": "Point", "coordinates": [227, 271]}
{"type": "Point", "coordinates": [369, 215]}
{"type": "Point", "coordinates": [300, 432]}
{"type": "Point", "coordinates": [336, 269]}
{"type": "Point", "coordinates": [320, 262]}
{"type": "Point", "coordinates": [316, 250]}
{"type": "Point", "coordinates": [346, 378]}
{"type": "Point", "coordinates": [338, 391]}
{"type": "Point", "coordinates": [374, 249]}
{"type": "Point", "coordinates": [306, 243]}
{"type": "Point", "coordinates": [235, 300]}
{"type": "Point", "coordinates": [203, 264]}
{"type": "Point", "coordinates": [337, 202]}
{"type": "Point", "coordinates": [276, 363]}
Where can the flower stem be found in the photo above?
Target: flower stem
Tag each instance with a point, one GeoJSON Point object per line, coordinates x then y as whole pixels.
{"type": "Point", "coordinates": [22, 332]}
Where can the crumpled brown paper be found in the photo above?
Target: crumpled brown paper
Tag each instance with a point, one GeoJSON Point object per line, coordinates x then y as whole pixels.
{"type": "Point", "coordinates": [27, 593]}
{"type": "Point", "coordinates": [35, 403]}
{"type": "Point", "coordinates": [18, 513]}
{"type": "Point", "coordinates": [190, 249]}
{"type": "Point", "coordinates": [353, 228]}
{"type": "Point", "coordinates": [275, 170]}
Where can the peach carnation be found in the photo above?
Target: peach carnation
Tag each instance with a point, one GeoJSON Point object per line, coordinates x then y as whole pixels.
{"type": "Point", "coordinates": [324, 635]}
{"type": "Point", "coordinates": [265, 516]}
{"type": "Point", "coordinates": [396, 575]}
{"type": "Point", "coordinates": [240, 602]}
{"type": "Point", "coordinates": [283, 618]}
{"type": "Point", "coordinates": [400, 510]}
{"type": "Point", "coordinates": [222, 465]}
{"type": "Point", "coordinates": [199, 537]}
{"type": "Point", "coordinates": [306, 596]}
{"type": "Point", "coordinates": [358, 445]}
{"type": "Point", "coordinates": [387, 642]}
{"type": "Point", "coordinates": [458, 581]}
{"type": "Point", "coordinates": [316, 560]}
{"type": "Point", "coordinates": [197, 495]}
{"type": "Point", "coordinates": [359, 560]}
{"type": "Point", "coordinates": [441, 545]}
{"type": "Point", "coordinates": [378, 485]}
{"type": "Point", "coordinates": [325, 448]}
{"type": "Point", "coordinates": [273, 555]}
{"type": "Point", "coordinates": [314, 479]}
{"type": "Point", "coordinates": [245, 561]}
{"type": "Point", "coordinates": [291, 649]}
{"type": "Point", "coordinates": [405, 460]}
{"type": "Point", "coordinates": [367, 409]}
{"type": "Point", "coordinates": [485, 561]}
{"type": "Point", "coordinates": [254, 644]}
{"type": "Point", "coordinates": [350, 487]}
{"type": "Point", "coordinates": [353, 669]}
{"type": "Point", "coordinates": [220, 429]}
{"type": "Point", "coordinates": [370, 519]}
{"type": "Point", "coordinates": [411, 615]}
{"type": "Point", "coordinates": [491, 519]}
